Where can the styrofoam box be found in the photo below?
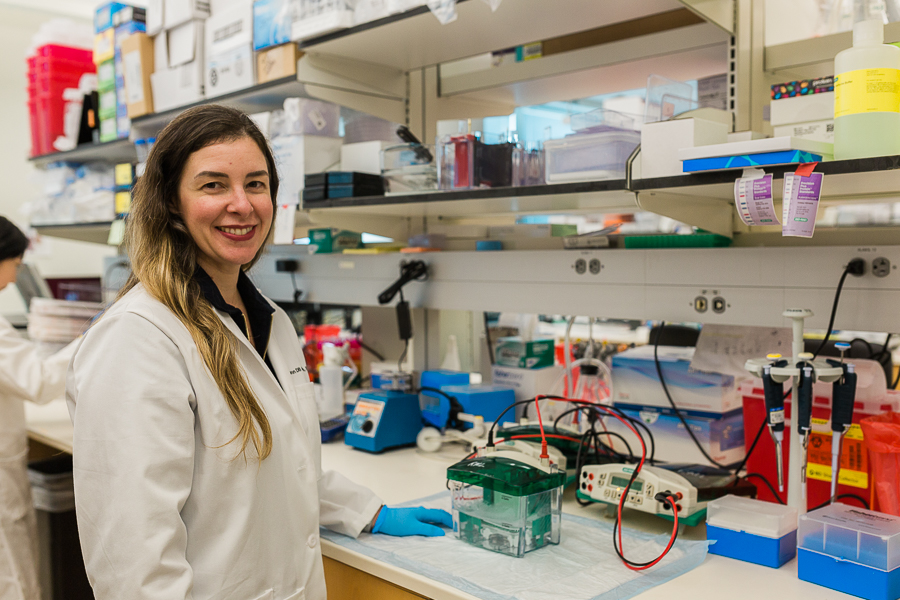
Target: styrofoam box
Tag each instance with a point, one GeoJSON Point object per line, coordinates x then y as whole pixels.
{"type": "Point", "coordinates": [800, 109]}
{"type": "Point", "coordinates": [821, 131]}
{"type": "Point", "coordinates": [297, 155]}
{"type": "Point", "coordinates": [752, 530]}
{"type": "Point", "coordinates": [851, 550]}
{"type": "Point", "coordinates": [661, 141]}
{"type": "Point", "coordinates": [589, 157]}
{"type": "Point", "coordinates": [363, 157]}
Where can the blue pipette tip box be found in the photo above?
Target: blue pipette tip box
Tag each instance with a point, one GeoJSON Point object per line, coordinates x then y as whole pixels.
{"type": "Point", "coordinates": [752, 530]}
{"type": "Point", "coordinates": [851, 550]}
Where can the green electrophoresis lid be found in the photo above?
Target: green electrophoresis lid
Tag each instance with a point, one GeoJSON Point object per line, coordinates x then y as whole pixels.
{"type": "Point", "coordinates": [505, 475]}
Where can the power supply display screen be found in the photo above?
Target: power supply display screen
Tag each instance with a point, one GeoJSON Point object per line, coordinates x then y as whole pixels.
{"type": "Point", "coordinates": [621, 482]}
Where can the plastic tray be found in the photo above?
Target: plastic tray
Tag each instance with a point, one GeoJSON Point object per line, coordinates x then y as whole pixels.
{"type": "Point", "coordinates": [589, 157]}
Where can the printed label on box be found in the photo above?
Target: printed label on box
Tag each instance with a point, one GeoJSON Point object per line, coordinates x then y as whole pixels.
{"type": "Point", "coordinates": [854, 461]}
{"type": "Point", "coordinates": [133, 75]}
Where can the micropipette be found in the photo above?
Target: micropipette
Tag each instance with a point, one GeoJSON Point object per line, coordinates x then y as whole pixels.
{"type": "Point", "coordinates": [774, 394]}
{"type": "Point", "coordinates": [843, 396]}
{"type": "Point", "coordinates": [804, 406]}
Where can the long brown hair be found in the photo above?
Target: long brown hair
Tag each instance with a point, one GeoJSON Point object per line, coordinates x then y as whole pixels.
{"type": "Point", "coordinates": [164, 255]}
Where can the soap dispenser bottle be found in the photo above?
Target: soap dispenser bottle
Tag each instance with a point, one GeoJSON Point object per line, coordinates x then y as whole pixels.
{"type": "Point", "coordinates": [331, 378]}
{"type": "Point", "coordinates": [867, 95]}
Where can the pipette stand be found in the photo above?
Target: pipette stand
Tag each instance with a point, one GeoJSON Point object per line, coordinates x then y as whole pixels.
{"type": "Point", "coordinates": [822, 371]}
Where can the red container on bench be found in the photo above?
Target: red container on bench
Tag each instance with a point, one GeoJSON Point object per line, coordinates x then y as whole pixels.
{"type": "Point", "coordinates": [855, 467]}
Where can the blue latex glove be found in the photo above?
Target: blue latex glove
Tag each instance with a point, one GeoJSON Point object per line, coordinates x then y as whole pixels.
{"type": "Point", "coordinates": [412, 521]}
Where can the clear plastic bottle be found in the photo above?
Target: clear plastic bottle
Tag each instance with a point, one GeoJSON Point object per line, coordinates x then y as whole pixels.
{"type": "Point", "coordinates": [331, 378]}
{"type": "Point", "coordinates": [867, 95]}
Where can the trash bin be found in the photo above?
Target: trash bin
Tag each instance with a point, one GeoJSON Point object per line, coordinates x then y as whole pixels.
{"type": "Point", "coordinates": [62, 566]}
{"type": "Point", "coordinates": [882, 437]}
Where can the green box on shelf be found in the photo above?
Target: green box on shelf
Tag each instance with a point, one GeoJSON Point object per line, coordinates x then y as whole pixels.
{"type": "Point", "coordinates": [108, 132]}
{"type": "Point", "coordinates": [693, 240]}
{"type": "Point", "coordinates": [107, 107]}
{"type": "Point", "coordinates": [332, 240]}
{"type": "Point", "coordinates": [514, 352]}
{"type": "Point", "coordinates": [106, 76]}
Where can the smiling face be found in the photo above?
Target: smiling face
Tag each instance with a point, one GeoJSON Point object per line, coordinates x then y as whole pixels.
{"type": "Point", "coordinates": [226, 204]}
{"type": "Point", "coordinates": [9, 268]}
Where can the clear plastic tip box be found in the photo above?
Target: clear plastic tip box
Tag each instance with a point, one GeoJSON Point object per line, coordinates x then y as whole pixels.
{"type": "Point", "coordinates": [851, 550]}
{"type": "Point", "coordinates": [506, 502]}
{"type": "Point", "coordinates": [752, 530]}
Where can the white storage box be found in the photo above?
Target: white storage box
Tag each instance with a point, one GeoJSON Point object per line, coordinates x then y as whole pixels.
{"type": "Point", "coordinates": [820, 131]}
{"type": "Point", "coordinates": [589, 157]}
{"type": "Point", "coordinates": [800, 109]}
{"type": "Point", "coordinates": [318, 17]}
{"type": "Point", "coordinates": [752, 530]}
{"type": "Point", "coordinates": [363, 157]}
{"type": "Point", "coordinates": [177, 12]}
{"type": "Point", "coordinates": [184, 44]}
{"type": "Point", "coordinates": [230, 65]}
{"type": "Point", "coordinates": [661, 141]}
{"type": "Point", "coordinates": [173, 88]}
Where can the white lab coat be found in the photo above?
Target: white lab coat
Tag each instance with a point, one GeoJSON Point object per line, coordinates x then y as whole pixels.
{"type": "Point", "coordinates": [165, 509]}
{"type": "Point", "coordinates": [24, 375]}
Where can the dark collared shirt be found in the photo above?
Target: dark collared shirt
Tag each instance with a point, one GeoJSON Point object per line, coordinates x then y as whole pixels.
{"type": "Point", "coordinates": [259, 312]}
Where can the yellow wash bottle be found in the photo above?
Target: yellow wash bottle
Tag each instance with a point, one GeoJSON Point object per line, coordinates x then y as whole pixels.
{"type": "Point", "coordinates": [867, 95]}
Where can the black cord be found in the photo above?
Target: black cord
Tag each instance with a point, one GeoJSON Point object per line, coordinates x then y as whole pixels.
{"type": "Point", "coordinates": [860, 499]}
{"type": "Point", "coordinates": [768, 485]}
{"type": "Point", "coordinates": [749, 451]}
{"type": "Point", "coordinates": [834, 307]}
{"type": "Point", "coordinates": [297, 291]}
{"type": "Point", "coordinates": [371, 351]}
{"type": "Point", "coordinates": [866, 343]}
{"type": "Point", "coordinates": [678, 414]}
{"type": "Point", "coordinates": [403, 356]}
{"type": "Point", "coordinates": [487, 336]}
{"type": "Point", "coordinates": [609, 433]}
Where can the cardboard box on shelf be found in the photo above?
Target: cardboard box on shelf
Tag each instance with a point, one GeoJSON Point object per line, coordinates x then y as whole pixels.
{"type": "Point", "coordinates": [272, 21]}
{"type": "Point", "coordinates": [277, 62]}
{"type": "Point", "coordinates": [108, 129]}
{"type": "Point", "coordinates": [155, 16]}
{"type": "Point", "coordinates": [161, 50]}
{"type": "Point", "coordinates": [185, 44]}
{"type": "Point", "coordinates": [173, 88]}
{"type": "Point", "coordinates": [104, 46]}
{"type": "Point", "coordinates": [103, 15]}
{"type": "Point", "coordinates": [178, 12]}
{"type": "Point", "coordinates": [230, 64]}
{"type": "Point", "coordinates": [137, 60]}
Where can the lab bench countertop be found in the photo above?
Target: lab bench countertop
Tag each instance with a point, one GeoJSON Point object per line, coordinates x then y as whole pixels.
{"type": "Point", "coordinates": [407, 474]}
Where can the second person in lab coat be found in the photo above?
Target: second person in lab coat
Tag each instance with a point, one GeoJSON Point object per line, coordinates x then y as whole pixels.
{"type": "Point", "coordinates": [197, 448]}
{"type": "Point", "coordinates": [24, 376]}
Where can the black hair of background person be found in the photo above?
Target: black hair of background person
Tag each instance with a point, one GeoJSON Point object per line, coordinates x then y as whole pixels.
{"type": "Point", "coordinates": [13, 242]}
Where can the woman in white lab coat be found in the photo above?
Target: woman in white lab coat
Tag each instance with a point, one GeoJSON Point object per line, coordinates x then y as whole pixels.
{"type": "Point", "coordinates": [24, 375]}
{"type": "Point", "coordinates": [197, 445]}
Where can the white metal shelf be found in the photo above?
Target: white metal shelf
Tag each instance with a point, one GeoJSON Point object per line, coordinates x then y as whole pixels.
{"type": "Point", "coordinates": [95, 233]}
{"type": "Point", "coordinates": [814, 57]}
{"type": "Point", "coordinates": [417, 39]}
{"type": "Point", "coordinates": [686, 53]}
{"type": "Point", "coordinates": [113, 152]}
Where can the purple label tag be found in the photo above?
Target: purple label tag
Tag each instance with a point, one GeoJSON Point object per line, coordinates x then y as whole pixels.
{"type": "Point", "coordinates": [753, 200]}
{"type": "Point", "coordinates": [801, 203]}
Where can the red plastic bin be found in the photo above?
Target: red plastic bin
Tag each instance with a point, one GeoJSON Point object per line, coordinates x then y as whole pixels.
{"type": "Point", "coordinates": [65, 52]}
{"type": "Point", "coordinates": [853, 458]}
